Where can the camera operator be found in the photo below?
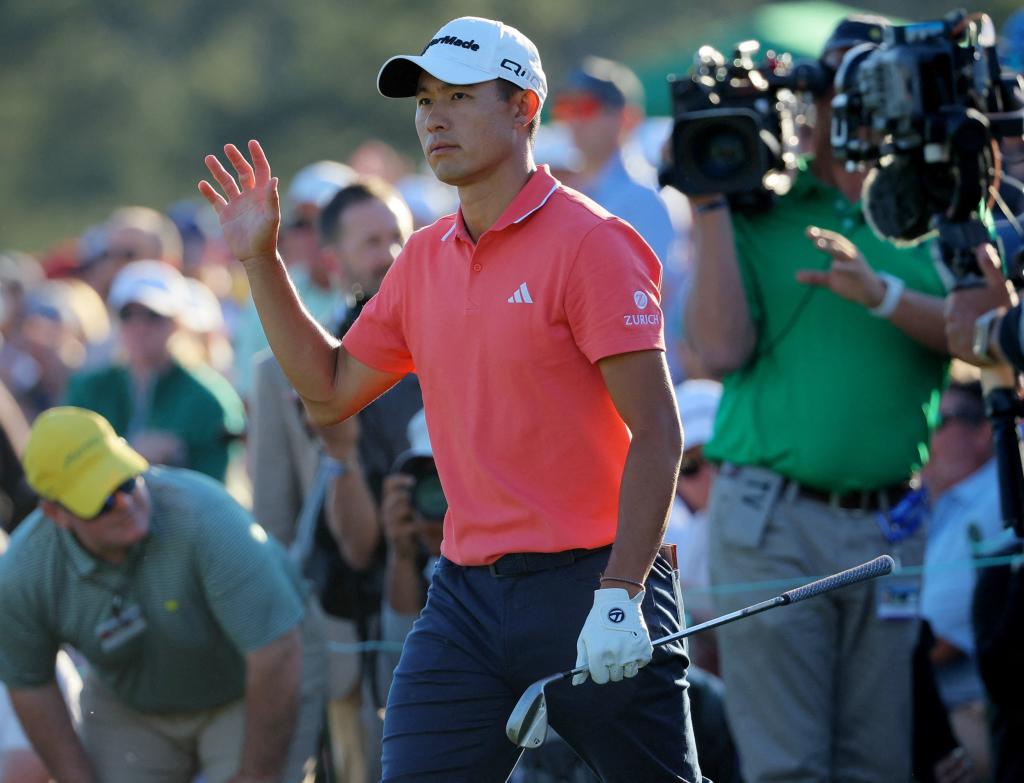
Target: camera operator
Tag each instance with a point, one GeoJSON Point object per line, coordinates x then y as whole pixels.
{"type": "Point", "coordinates": [822, 423]}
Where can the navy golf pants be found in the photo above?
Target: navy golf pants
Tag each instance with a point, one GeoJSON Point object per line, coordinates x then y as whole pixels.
{"type": "Point", "coordinates": [482, 639]}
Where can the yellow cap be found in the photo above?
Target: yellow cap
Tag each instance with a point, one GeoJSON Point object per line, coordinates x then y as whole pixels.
{"type": "Point", "coordinates": [74, 457]}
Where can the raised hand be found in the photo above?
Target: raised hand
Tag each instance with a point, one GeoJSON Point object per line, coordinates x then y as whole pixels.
{"type": "Point", "coordinates": [250, 209]}
{"type": "Point", "coordinates": [849, 276]}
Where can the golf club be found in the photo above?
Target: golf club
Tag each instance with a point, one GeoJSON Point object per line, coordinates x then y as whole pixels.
{"type": "Point", "coordinates": [527, 726]}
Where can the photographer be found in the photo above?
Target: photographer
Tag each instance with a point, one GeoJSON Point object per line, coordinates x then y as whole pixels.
{"type": "Point", "coordinates": [414, 542]}
{"type": "Point", "coordinates": [822, 423]}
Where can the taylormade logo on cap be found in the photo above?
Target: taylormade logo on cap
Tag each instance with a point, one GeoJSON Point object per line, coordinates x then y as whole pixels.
{"type": "Point", "coordinates": [451, 40]}
{"type": "Point", "coordinates": [468, 50]}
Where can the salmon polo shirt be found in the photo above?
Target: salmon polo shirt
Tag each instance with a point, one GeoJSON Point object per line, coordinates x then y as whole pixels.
{"type": "Point", "coordinates": [505, 334]}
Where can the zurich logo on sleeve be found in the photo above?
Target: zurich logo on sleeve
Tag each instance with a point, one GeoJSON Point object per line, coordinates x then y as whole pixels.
{"type": "Point", "coordinates": [641, 300]}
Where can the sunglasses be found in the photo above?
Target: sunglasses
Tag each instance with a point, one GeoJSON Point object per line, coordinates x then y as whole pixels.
{"type": "Point", "coordinates": [131, 312]}
{"type": "Point", "coordinates": [127, 488]}
{"type": "Point", "coordinates": [576, 108]}
{"type": "Point", "coordinates": [119, 254]}
{"type": "Point", "coordinates": [691, 465]}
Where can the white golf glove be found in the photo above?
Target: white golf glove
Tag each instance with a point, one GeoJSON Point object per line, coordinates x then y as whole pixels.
{"type": "Point", "coordinates": [614, 642]}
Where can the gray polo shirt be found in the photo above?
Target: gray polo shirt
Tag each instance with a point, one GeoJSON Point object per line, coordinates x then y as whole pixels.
{"type": "Point", "coordinates": [167, 629]}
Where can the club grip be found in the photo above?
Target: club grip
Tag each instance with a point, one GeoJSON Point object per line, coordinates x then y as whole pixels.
{"type": "Point", "coordinates": [880, 566]}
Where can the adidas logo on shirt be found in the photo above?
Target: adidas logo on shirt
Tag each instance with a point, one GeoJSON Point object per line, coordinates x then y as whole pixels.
{"type": "Point", "coordinates": [521, 296]}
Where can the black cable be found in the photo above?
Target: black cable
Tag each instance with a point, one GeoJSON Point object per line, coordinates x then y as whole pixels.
{"type": "Point", "coordinates": [790, 324]}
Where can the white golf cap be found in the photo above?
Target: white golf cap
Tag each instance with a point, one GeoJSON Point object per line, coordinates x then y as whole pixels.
{"type": "Point", "coordinates": [318, 182]}
{"type": "Point", "coordinates": [155, 285]}
{"type": "Point", "coordinates": [468, 50]}
{"type": "Point", "coordinates": [698, 406]}
{"type": "Point", "coordinates": [419, 438]}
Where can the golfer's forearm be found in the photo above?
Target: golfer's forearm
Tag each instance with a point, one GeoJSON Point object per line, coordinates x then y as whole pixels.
{"type": "Point", "coordinates": [272, 680]}
{"type": "Point", "coordinates": [45, 719]}
{"type": "Point", "coordinates": [305, 351]}
{"type": "Point", "coordinates": [648, 483]}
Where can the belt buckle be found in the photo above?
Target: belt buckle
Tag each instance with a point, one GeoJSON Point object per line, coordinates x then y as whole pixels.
{"type": "Point", "coordinates": [493, 567]}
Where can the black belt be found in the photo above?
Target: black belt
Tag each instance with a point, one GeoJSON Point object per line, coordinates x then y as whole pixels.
{"type": "Point", "coordinates": [854, 500]}
{"type": "Point", "coordinates": [516, 563]}
{"type": "Point", "coordinates": [879, 499]}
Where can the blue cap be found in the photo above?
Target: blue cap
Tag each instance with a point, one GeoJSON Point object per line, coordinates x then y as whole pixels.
{"type": "Point", "coordinates": [612, 83]}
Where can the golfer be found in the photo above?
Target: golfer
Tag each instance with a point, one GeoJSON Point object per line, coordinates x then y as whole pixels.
{"type": "Point", "coordinates": [532, 319]}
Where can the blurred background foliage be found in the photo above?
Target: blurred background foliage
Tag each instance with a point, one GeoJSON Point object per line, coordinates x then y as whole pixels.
{"type": "Point", "coordinates": [109, 102]}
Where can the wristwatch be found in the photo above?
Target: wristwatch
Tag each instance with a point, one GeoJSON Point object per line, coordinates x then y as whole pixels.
{"type": "Point", "coordinates": [982, 343]}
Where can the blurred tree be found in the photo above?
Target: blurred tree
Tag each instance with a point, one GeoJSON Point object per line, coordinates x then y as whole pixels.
{"type": "Point", "coordinates": [110, 102]}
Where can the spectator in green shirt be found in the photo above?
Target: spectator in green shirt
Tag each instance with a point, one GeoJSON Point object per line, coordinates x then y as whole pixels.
{"type": "Point", "coordinates": [204, 654]}
{"type": "Point", "coordinates": [172, 413]}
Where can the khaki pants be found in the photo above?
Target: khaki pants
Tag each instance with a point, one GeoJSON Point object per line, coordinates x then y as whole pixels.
{"type": "Point", "coordinates": [819, 691]}
{"type": "Point", "coordinates": [128, 746]}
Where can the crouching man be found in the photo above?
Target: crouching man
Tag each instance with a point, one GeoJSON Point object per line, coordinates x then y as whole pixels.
{"type": "Point", "coordinates": [204, 654]}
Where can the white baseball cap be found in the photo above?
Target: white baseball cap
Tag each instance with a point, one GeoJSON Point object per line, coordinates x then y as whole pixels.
{"type": "Point", "coordinates": [205, 314]}
{"type": "Point", "coordinates": [318, 182]}
{"type": "Point", "coordinates": [468, 50]}
{"type": "Point", "coordinates": [698, 406]}
{"type": "Point", "coordinates": [155, 285]}
{"type": "Point", "coordinates": [419, 438]}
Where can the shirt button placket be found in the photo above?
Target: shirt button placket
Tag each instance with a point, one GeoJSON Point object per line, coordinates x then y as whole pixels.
{"type": "Point", "coordinates": [472, 295]}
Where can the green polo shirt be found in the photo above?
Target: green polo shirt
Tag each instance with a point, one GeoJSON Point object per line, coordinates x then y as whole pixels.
{"type": "Point", "coordinates": [194, 403]}
{"type": "Point", "coordinates": [833, 397]}
{"type": "Point", "coordinates": [210, 585]}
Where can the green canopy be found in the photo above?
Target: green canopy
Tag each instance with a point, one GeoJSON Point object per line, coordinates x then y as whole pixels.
{"type": "Point", "coordinates": [800, 28]}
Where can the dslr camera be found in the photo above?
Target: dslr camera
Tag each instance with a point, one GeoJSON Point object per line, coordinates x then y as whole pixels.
{"type": "Point", "coordinates": [428, 499]}
{"type": "Point", "coordinates": [734, 123]}
{"type": "Point", "coordinates": [924, 111]}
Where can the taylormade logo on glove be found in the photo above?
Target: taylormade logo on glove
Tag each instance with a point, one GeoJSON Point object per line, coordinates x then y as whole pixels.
{"type": "Point", "coordinates": [614, 642]}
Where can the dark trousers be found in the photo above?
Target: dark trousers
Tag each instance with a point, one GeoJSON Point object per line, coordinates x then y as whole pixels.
{"type": "Point", "coordinates": [482, 639]}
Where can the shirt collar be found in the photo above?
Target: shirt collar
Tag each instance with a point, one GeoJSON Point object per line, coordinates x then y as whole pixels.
{"type": "Point", "coordinates": [807, 186]}
{"type": "Point", "coordinates": [82, 562]}
{"type": "Point", "coordinates": [85, 564]}
{"type": "Point", "coordinates": [533, 195]}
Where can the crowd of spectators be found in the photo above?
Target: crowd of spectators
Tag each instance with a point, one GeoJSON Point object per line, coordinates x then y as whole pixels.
{"type": "Point", "coordinates": [803, 438]}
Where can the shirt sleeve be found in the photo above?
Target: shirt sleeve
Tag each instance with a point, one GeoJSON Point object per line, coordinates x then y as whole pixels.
{"type": "Point", "coordinates": [248, 582]}
{"type": "Point", "coordinates": [745, 239]}
{"type": "Point", "coordinates": [27, 649]}
{"type": "Point", "coordinates": [613, 294]}
{"type": "Point", "coordinates": [377, 338]}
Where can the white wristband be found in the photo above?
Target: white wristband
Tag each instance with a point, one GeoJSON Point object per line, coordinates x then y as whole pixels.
{"type": "Point", "coordinates": [893, 291]}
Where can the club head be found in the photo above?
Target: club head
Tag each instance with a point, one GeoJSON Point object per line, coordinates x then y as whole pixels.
{"type": "Point", "coordinates": [527, 726]}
